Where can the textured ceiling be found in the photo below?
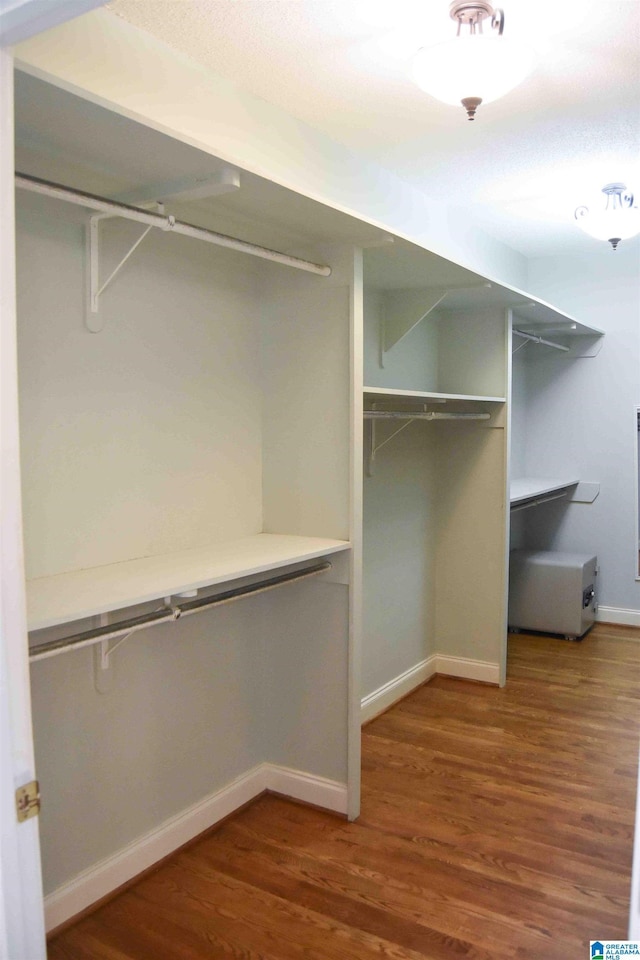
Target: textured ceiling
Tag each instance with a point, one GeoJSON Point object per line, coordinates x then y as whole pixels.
{"type": "Point", "coordinates": [342, 66]}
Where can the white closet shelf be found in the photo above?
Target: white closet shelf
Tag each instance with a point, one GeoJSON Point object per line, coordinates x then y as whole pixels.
{"type": "Point", "coordinates": [390, 393]}
{"type": "Point", "coordinates": [77, 594]}
{"type": "Point", "coordinates": [528, 488]}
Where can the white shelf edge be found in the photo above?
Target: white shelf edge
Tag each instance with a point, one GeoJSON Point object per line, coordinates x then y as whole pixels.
{"type": "Point", "coordinates": [426, 395]}
{"type": "Point", "coordinates": [526, 488]}
{"type": "Point", "coordinates": [541, 329]}
{"type": "Point", "coordinates": [66, 597]}
{"type": "Point", "coordinates": [524, 300]}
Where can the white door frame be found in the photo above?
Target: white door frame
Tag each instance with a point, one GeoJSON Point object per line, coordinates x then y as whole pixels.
{"type": "Point", "coordinates": [22, 930]}
{"type": "Point", "coordinates": [20, 19]}
{"type": "Point", "coordinates": [21, 909]}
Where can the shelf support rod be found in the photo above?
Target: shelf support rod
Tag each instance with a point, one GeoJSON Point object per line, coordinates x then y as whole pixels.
{"type": "Point", "coordinates": [372, 416]}
{"type": "Point", "coordinates": [537, 502]}
{"type": "Point", "coordinates": [535, 339]}
{"type": "Point", "coordinates": [165, 614]}
{"type": "Point", "coordinates": [426, 415]}
{"type": "Point", "coordinates": [103, 205]}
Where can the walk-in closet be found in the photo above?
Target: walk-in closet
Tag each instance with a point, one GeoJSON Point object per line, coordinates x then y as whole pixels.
{"type": "Point", "coordinates": [436, 374]}
{"type": "Point", "coordinates": [552, 374]}
{"type": "Point", "coordinates": [186, 434]}
{"type": "Point", "coordinates": [264, 494]}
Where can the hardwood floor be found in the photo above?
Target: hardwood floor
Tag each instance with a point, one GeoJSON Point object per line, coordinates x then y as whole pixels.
{"type": "Point", "coordinates": [495, 824]}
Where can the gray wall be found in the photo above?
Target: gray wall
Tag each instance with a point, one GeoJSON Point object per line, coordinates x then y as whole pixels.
{"type": "Point", "coordinates": [581, 418]}
{"type": "Point", "coordinates": [147, 438]}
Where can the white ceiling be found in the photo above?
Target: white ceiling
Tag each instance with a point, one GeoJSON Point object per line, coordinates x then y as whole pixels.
{"type": "Point", "coordinates": [343, 67]}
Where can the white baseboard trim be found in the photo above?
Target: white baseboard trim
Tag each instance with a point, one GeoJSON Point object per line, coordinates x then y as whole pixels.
{"type": "Point", "coordinates": [384, 697]}
{"type": "Point", "coordinates": [109, 874]}
{"type": "Point", "coordinates": [466, 669]}
{"type": "Point", "coordinates": [328, 794]}
{"type": "Point", "coordinates": [630, 618]}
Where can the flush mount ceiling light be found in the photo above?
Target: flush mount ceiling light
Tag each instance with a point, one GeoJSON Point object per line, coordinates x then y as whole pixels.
{"type": "Point", "coordinates": [618, 220]}
{"type": "Point", "coordinates": [473, 67]}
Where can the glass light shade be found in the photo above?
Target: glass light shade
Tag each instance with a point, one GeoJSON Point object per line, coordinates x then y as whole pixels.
{"type": "Point", "coordinates": [614, 222]}
{"type": "Point", "coordinates": [481, 65]}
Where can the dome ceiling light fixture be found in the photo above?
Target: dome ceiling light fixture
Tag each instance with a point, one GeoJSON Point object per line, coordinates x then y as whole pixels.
{"type": "Point", "coordinates": [618, 220]}
{"type": "Point", "coordinates": [474, 67]}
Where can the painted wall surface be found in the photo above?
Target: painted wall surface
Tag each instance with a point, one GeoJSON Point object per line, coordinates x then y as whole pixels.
{"type": "Point", "coordinates": [469, 560]}
{"type": "Point", "coordinates": [518, 439]}
{"type": "Point", "coordinates": [145, 438]}
{"type": "Point", "coordinates": [302, 672]}
{"type": "Point", "coordinates": [400, 506]}
{"type": "Point", "coordinates": [519, 410]}
{"type": "Point", "coordinates": [305, 383]}
{"type": "Point", "coordinates": [191, 706]}
{"type": "Point", "coordinates": [141, 77]}
{"type": "Point", "coordinates": [580, 415]}
{"type": "Point", "coordinates": [177, 724]}
{"type": "Point", "coordinates": [434, 504]}
{"type": "Point", "coordinates": [399, 511]}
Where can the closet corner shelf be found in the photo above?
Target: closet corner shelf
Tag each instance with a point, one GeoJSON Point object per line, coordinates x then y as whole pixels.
{"type": "Point", "coordinates": [391, 393]}
{"type": "Point", "coordinates": [78, 594]}
{"type": "Point", "coordinates": [529, 488]}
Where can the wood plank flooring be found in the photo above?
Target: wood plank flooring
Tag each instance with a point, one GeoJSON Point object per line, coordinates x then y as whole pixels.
{"type": "Point", "coordinates": [496, 824]}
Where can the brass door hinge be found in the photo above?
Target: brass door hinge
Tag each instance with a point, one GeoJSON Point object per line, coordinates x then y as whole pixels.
{"type": "Point", "coordinates": [28, 801]}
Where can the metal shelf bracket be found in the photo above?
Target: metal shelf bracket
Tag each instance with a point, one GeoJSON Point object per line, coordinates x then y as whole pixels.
{"type": "Point", "coordinates": [94, 321]}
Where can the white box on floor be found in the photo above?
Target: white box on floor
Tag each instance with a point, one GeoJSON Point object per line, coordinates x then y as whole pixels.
{"type": "Point", "coordinates": [552, 592]}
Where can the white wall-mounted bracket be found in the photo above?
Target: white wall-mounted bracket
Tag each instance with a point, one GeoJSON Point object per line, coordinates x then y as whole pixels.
{"type": "Point", "coordinates": [102, 662]}
{"type": "Point", "coordinates": [94, 321]}
{"type": "Point", "coordinates": [372, 446]}
{"type": "Point", "coordinates": [104, 649]}
{"type": "Point", "coordinates": [405, 309]}
{"type": "Point", "coordinates": [584, 492]}
{"type": "Point", "coordinates": [102, 672]}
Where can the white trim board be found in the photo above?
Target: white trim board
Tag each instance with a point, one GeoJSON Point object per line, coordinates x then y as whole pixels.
{"type": "Point", "coordinates": [385, 696]}
{"type": "Point", "coordinates": [634, 909]}
{"type": "Point", "coordinates": [389, 693]}
{"type": "Point", "coordinates": [630, 618]}
{"type": "Point", "coordinates": [466, 669]}
{"type": "Point", "coordinates": [106, 876]}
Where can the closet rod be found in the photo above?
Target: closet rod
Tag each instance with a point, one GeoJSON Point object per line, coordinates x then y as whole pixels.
{"type": "Point", "coordinates": [422, 415]}
{"type": "Point", "coordinates": [537, 502]}
{"type": "Point", "coordinates": [82, 199]}
{"type": "Point", "coordinates": [535, 339]}
{"type": "Point", "coordinates": [167, 614]}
